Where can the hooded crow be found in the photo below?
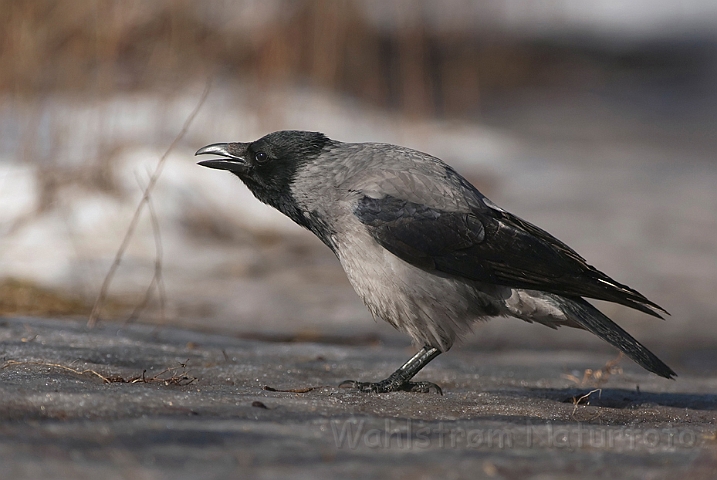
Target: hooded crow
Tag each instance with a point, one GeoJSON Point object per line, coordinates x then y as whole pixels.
{"type": "Point", "coordinates": [424, 249]}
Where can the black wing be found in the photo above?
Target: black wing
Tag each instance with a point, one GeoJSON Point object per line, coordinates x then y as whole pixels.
{"type": "Point", "coordinates": [490, 245]}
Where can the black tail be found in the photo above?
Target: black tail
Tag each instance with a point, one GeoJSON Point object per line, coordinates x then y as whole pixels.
{"type": "Point", "coordinates": [592, 320]}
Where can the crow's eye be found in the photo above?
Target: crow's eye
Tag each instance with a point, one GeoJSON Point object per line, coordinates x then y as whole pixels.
{"type": "Point", "coordinates": [260, 157]}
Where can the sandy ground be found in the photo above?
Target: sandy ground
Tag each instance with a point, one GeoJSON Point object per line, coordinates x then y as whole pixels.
{"type": "Point", "coordinates": [148, 402]}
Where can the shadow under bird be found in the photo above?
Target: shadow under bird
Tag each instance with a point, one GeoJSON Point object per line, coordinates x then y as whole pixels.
{"type": "Point", "coordinates": [424, 249]}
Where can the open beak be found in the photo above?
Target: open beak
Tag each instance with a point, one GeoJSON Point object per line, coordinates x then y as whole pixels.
{"type": "Point", "coordinates": [234, 156]}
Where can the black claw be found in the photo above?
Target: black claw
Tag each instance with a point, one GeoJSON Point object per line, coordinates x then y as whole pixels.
{"type": "Point", "coordinates": [386, 386]}
{"type": "Point", "coordinates": [366, 387]}
{"type": "Point", "coordinates": [351, 384]}
{"type": "Point", "coordinates": [422, 387]}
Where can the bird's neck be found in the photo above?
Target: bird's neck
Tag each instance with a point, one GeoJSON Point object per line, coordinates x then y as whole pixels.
{"type": "Point", "coordinates": [309, 219]}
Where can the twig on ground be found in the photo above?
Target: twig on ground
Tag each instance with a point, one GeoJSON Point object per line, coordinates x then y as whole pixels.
{"type": "Point", "coordinates": [290, 390]}
{"type": "Point", "coordinates": [10, 363]}
{"type": "Point", "coordinates": [176, 378]}
{"type": "Point", "coordinates": [585, 400]}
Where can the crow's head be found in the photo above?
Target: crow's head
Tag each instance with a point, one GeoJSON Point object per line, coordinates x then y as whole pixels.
{"type": "Point", "coordinates": [268, 165]}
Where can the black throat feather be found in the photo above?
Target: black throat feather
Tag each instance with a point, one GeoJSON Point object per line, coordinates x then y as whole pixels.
{"type": "Point", "coordinates": [271, 183]}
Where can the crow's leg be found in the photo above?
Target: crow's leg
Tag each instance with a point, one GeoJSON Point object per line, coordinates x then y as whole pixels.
{"type": "Point", "coordinates": [400, 379]}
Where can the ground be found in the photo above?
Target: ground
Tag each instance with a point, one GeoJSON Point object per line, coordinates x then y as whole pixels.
{"type": "Point", "coordinates": [139, 401]}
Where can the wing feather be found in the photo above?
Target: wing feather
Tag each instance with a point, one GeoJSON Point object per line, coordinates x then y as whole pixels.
{"type": "Point", "coordinates": [492, 246]}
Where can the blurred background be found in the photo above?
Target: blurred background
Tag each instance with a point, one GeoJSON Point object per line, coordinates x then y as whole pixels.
{"type": "Point", "coordinates": [596, 120]}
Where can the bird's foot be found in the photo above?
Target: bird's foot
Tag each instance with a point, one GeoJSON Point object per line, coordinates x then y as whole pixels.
{"type": "Point", "coordinates": [390, 385]}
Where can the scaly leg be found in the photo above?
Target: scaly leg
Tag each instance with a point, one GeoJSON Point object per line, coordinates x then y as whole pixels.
{"type": "Point", "coordinates": [400, 379]}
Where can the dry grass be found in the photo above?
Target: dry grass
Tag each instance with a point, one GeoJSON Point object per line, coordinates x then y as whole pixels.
{"type": "Point", "coordinates": [24, 297]}
{"type": "Point", "coordinates": [585, 400]}
{"type": "Point", "coordinates": [597, 378]}
{"type": "Point", "coordinates": [21, 297]}
{"type": "Point", "coordinates": [169, 376]}
{"type": "Point", "coordinates": [101, 46]}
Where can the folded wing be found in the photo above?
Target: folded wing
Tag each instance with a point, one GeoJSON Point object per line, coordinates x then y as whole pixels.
{"type": "Point", "coordinates": [489, 245]}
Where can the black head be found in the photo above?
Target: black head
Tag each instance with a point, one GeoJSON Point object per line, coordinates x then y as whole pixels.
{"type": "Point", "coordinates": [268, 165]}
